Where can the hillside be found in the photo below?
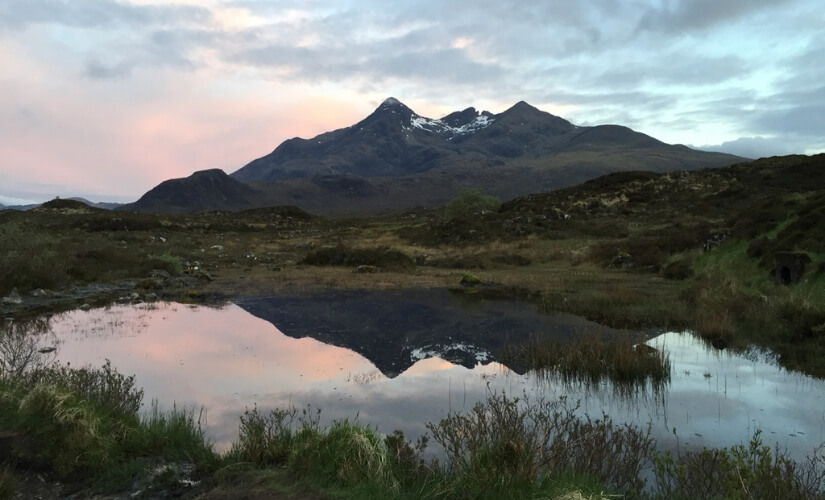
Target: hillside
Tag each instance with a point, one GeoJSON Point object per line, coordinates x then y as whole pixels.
{"type": "Point", "coordinates": [202, 191]}
{"type": "Point", "coordinates": [396, 159]}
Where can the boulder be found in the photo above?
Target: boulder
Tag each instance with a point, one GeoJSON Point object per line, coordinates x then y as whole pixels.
{"type": "Point", "coordinates": [13, 298]}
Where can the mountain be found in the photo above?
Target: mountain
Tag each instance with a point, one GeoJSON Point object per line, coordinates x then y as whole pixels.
{"type": "Point", "coordinates": [394, 141]}
{"type": "Point", "coordinates": [101, 204]}
{"type": "Point", "coordinates": [395, 158]}
{"type": "Point", "coordinates": [396, 329]}
{"type": "Point", "coordinates": [202, 191]}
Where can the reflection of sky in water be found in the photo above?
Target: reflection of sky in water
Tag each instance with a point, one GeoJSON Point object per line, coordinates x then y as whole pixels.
{"type": "Point", "coordinates": [226, 360]}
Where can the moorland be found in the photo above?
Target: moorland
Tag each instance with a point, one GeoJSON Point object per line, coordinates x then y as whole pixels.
{"type": "Point", "coordinates": [734, 254]}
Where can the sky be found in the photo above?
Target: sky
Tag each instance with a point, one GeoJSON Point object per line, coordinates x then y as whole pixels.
{"type": "Point", "coordinates": [105, 99]}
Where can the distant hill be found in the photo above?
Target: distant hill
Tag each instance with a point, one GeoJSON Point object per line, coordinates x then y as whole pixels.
{"type": "Point", "coordinates": [202, 191]}
{"type": "Point", "coordinates": [395, 158]}
{"type": "Point", "coordinates": [101, 204]}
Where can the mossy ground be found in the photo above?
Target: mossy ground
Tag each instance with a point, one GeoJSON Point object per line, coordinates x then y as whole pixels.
{"type": "Point", "coordinates": [690, 250]}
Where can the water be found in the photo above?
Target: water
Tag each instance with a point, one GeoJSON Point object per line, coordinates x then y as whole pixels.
{"type": "Point", "coordinates": [403, 360]}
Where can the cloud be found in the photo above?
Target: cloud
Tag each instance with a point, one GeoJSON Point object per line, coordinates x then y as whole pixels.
{"type": "Point", "coordinates": [694, 15]}
{"type": "Point", "coordinates": [100, 71]}
{"type": "Point", "coordinates": [15, 14]}
{"type": "Point", "coordinates": [754, 147]}
{"type": "Point", "coordinates": [140, 89]}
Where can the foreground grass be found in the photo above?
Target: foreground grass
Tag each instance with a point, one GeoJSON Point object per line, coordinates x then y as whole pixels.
{"type": "Point", "coordinates": [83, 427]}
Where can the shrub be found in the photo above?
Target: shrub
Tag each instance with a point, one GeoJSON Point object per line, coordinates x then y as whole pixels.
{"type": "Point", "coordinates": [104, 386]}
{"type": "Point", "coordinates": [507, 443]}
{"type": "Point", "coordinates": [346, 454]}
{"type": "Point", "coordinates": [739, 472]}
{"type": "Point", "coordinates": [7, 484]}
{"type": "Point", "coordinates": [66, 429]}
{"type": "Point", "coordinates": [265, 439]}
{"type": "Point", "coordinates": [381, 257]}
{"type": "Point", "coordinates": [469, 203]}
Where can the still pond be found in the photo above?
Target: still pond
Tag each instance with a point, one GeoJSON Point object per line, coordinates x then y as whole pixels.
{"type": "Point", "coordinates": [398, 360]}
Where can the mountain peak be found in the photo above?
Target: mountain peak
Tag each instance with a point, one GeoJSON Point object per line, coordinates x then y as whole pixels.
{"type": "Point", "coordinates": [523, 106]}
{"type": "Point", "coordinates": [391, 101]}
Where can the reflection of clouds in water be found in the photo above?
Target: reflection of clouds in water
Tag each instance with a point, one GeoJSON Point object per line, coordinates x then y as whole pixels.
{"type": "Point", "coordinates": [226, 360]}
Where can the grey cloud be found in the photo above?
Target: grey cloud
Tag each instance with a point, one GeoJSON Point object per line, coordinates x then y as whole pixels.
{"type": "Point", "coordinates": [98, 70]}
{"type": "Point", "coordinates": [675, 69]}
{"type": "Point", "coordinates": [17, 14]}
{"type": "Point", "coordinates": [692, 15]}
{"type": "Point", "coordinates": [757, 147]}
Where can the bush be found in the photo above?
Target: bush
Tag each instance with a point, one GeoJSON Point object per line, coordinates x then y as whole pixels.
{"type": "Point", "coordinates": [104, 386]}
{"type": "Point", "coordinates": [470, 202]}
{"type": "Point", "coordinates": [67, 431]}
{"type": "Point", "coordinates": [265, 440]}
{"type": "Point", "coordinates": [739, 472]}
{"type": "Point", "coordinates": [381, 257]}
{"type": "Point", "coordinates": [679, 269]}
{"type": "Point", "coordinates": [510, 443]}
{"type": "Point", "coordinates": [346, 454]}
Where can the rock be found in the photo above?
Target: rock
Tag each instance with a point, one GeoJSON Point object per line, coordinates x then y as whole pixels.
{"type": "Point", "coordinates": [39, 293]}
{"type": "Point", "coordinates": [365, 269]}
{"type": "Point", "coordinates": [217, 247]}
{"type": "Point", "coordinates": [621, 260]}
{"type": "Point", "coordinates": [160, 274]}
{"type": "Point", "coordinates": [47, 350]}
{"type": "Point", "coordinates": [13, 298]}
{"type": "Point", "coordinates": [150, 284]}
{"type": "Point", "coordinates": [185, 282]}
{"type": "Point", "coordinates": [716, 239]}
{"type": "Point", "coordinates": [85, 307]}
{"type": "Point", "coordinates": [134, 296]}
{"type": "Point", "coordinates": [149, 297]}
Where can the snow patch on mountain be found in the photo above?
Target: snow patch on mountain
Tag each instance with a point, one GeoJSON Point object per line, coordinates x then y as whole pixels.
{"type": "Point", "coordinates": [440, 351]}
{"type": "Point", "coordinates": [439, 127]}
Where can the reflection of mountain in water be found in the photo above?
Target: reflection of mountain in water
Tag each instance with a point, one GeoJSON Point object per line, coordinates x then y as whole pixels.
{"type": "Point", "coordinates": [395, 329]}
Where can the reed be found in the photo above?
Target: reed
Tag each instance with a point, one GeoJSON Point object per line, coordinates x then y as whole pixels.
{"type": "Point", "coordinates": [592, 359]}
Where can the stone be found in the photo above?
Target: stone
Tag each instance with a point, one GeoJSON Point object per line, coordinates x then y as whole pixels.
{"type": "Point", "coordinates": [365, 269]}
{"type": "Point", "coordinates": [621, 260]}
{"type": "Point", "coordinates": [85, 307]}
{"type": "Point", "coordinates": [159, 274]}
{"type": "Point", "coordinates": [13, 298]}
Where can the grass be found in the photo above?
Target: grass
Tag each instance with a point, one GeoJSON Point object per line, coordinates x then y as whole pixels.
{"type": "Point", "coordinates": [7, 483]}
{"type": "Point", "coordinates": [591, 360]}
{"type": "Point", "coordinates": [504, 447]}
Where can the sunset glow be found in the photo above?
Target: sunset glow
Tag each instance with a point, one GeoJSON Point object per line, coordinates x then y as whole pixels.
{"type": "Point", "coordinates": [107, 102]}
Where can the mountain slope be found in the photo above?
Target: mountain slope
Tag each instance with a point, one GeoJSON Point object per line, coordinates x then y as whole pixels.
{"type": "Point", "coordinates": [394, 141]}
{"type": "Point", "coordinates": [202, 191]}
{"type": "Point", "coordinates": [395, 159]}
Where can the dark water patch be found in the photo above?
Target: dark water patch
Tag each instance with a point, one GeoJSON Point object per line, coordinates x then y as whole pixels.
{"type": "Point", "coordinates": [395, 329]}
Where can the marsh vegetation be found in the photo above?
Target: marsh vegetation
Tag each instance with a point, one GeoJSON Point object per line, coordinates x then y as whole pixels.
{"type": "Point", "coordinates": [688, 251]}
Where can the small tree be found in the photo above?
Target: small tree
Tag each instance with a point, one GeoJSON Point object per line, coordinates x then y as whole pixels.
{"type": "Point", "coordinates": [469, 202]}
